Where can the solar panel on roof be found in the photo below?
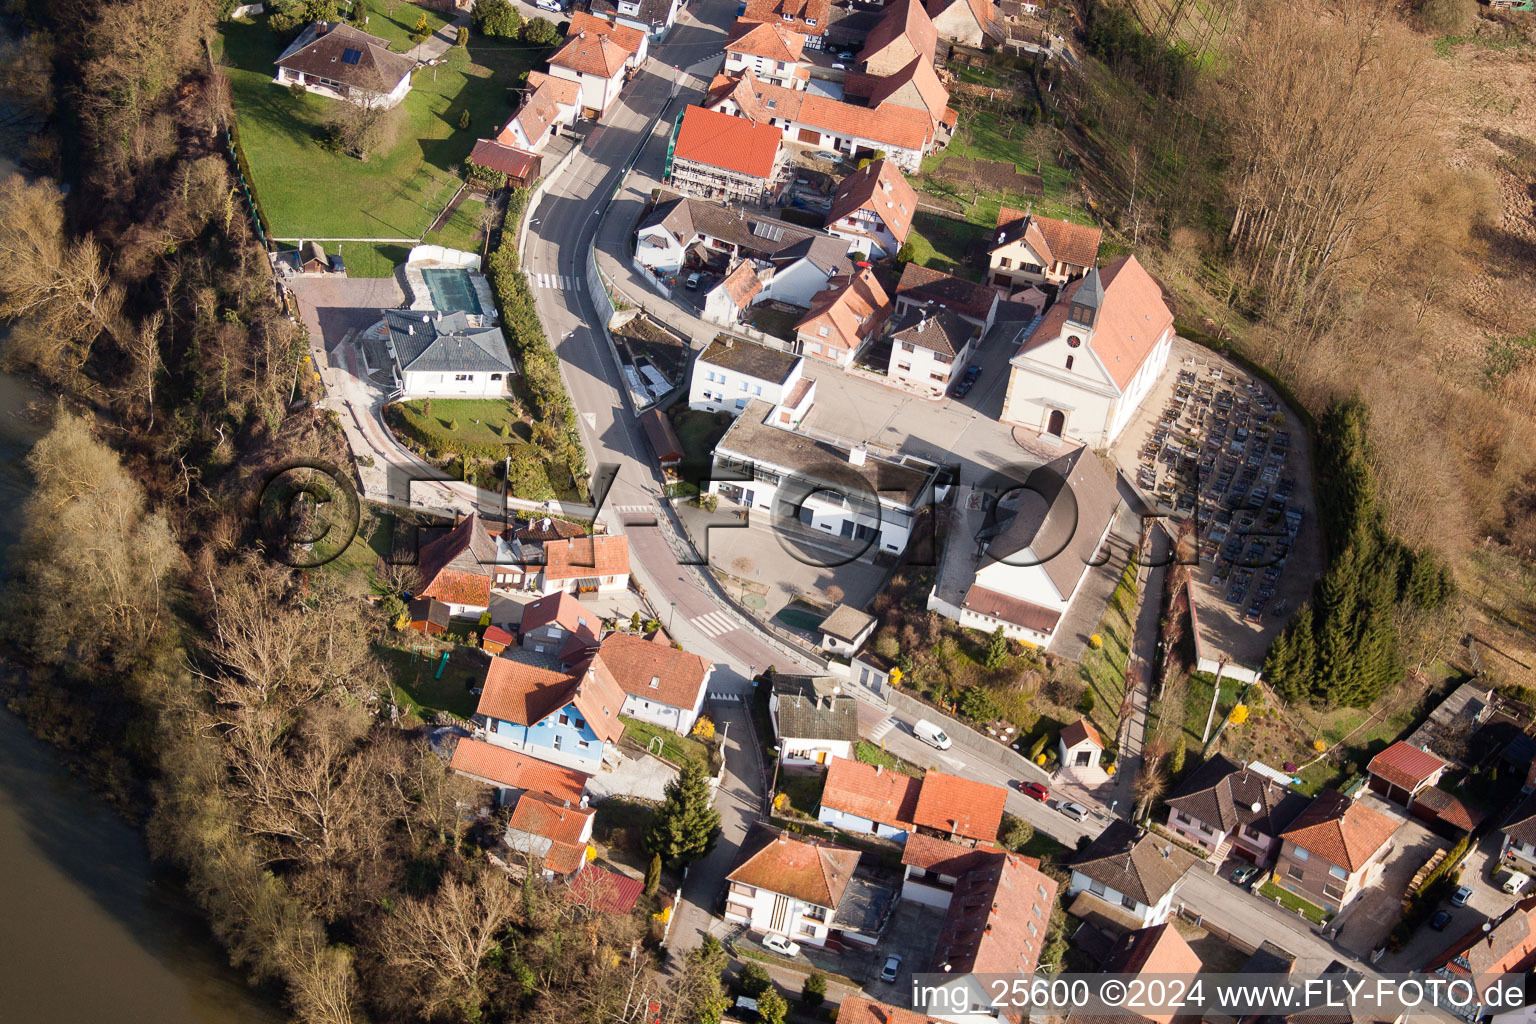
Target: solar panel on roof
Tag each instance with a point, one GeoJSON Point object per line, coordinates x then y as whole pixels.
{"type": "Point", "coordinates": [351, 56]}
{"type": "Point", "coordinates": [763, 229]}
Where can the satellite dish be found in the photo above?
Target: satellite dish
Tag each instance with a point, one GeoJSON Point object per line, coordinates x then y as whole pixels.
{"type": "Point", "coordinates": [1487, 926]}
{"type": "Point", "coordinates": [1255, 807]}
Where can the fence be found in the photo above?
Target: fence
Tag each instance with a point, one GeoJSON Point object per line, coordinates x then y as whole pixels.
{"type": "Point", "coordinates": [650, 278]}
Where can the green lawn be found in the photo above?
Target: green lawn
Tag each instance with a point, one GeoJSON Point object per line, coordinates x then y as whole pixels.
{"type": "Point", "coordinates": [375, 532]}
{"type": "Point", "coordinates": [461, 230]}
{"type": "Point", "coordinates": [870, 754]}
{"type": "Point", "coordinates": [803, 790]}
{"type": "Point", "coordinates": [1104, 670]}
{"type": "Point", "coordinates": [415, 685]}
{"type": "Point", "coordinates": [480, 420]}
{"type": "Point", "coordinates": [944, 243]}
{"type": "Point", "coordinates": [674, 748]}
{"type": "Point", "coordinates": [1290, 901]}
{"type": "Point", "coordinates": [369, 259]}
{"type": "Point", "coordinates": [309, 192]}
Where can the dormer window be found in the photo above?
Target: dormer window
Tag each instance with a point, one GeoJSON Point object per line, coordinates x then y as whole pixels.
{"type": "Point", "coordinates": [811, 22]}
{"type": "Point", "coordinates": [655, 682]}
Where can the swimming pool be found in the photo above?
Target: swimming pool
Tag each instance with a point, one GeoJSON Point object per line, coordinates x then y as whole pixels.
{"type": "Point", "coordinates": [451, 290]}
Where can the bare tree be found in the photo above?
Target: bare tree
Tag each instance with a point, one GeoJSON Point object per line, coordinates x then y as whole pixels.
{"type": "Point", "coordinates": [441, 944]}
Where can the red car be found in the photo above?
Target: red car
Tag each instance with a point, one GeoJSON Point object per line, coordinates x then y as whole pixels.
{"type": "Point", "coordinates": [1036, 790]}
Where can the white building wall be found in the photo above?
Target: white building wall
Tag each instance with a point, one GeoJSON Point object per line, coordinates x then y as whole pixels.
{"type": "Point", "coordinates": [918, 367]}
{"type": "Point", "coordinates": [715, 388]}
{"type": "Point", "coordinates": [778, 72]}
{"type": "Point", "coordinates": [665, 256]}
{"type": "Point", "coordinates": [861, 826]}
{"type": "Point", "coordinates": [797, 926]}
{"type": "Point", "coordinates": [472, 384]}
{"type": "Point", "coordinates": [796, 284]}
{"type": "Point", "coordinates": [1140, 385]}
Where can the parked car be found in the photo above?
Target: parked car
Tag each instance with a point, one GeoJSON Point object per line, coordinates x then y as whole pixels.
{"type": "Point", "coordinates": [827, 154]}
{"type": "Point", "coordinates": [1441, 919]}
{"type": "Point", "coordinates": [693, 281]}
{"type": "Point", "coordinates": [1515, 882]}
{"type": "Point", "coordinates": [931, 734]}
{"type": "Point", "coordinates": [1244, 874]}
{"type": "Point", "coordinates": [547, 5]}
{"type": "Point", "coordinates": [839, 66]}
{"type": "Point", "coordinates": [1077, 812]}
{"type": "Point", "coordinates": [891, 969]}
{"type": "Point", "coordinates": [1034, 790]}
{"type": "Point", "coordinates": [1461, 896]}
{"type": "Point", "coordinates": [779, 944]}
{"type": "Point", "coordinates": [846, 55]}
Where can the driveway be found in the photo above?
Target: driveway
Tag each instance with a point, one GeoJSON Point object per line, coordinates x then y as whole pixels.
{"type": "Point", "coordinates": [643, 778]}
{"type": "Point", "coordinates": [1364, 925]}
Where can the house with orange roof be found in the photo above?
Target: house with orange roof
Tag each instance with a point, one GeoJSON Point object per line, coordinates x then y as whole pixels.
{"type": "Point", "coordinates": [1333, 849]}
{"type": "Point", "coordinates": [512, 773]}
{"type": "Point", "coordinates": [533, 706]}
{"type": "Point", "coordinates": [789, 887]}
{"type": "Point", "coordinates": [660, 683]}
{"type": "Point", "coordinates": [995, 925]}
{"type": "Point", "coordinates": [548, 103]}
{"type": "Point", "coordinates": [585, 565]}
{"type": "Point", "coordinates": [873, 209]}
{"type": "Point", "coordinates": [808, 18]}
{"type": "Point", "coordinates": [903, 34]}
{"type": "Point", "coordinates": [1403, 771]}
{"type": "Point", "coordinates": [1156, 951]}
{"type": "Point", "coordinates": [958, 808]}
{"type": "Point", "coordinates": [1027, 249]}
{"type": "Point", "coordinates": [1081, 745]}
{"type": "Point", "coordinates": [723, 158]}
{"type": "Point", "coordinates": [866, 798]}
{"type": "Point", "coordinates": [769, 50]}
{"type": "Point", "coordinates": [1091, 360]}
{"type": "Point", "coordinates": [597, 55]}
{"type": "Point", "coordinates": [727, 302]}
{"type": "Point", "coordinates": [967, 22]}
{"type": "Point", "coordinates": [1485, 954]}
{"type": "Point", "coordinates": [455, 568]}
{"type": "Point", "coordinates": [549, 836]}
{"type": "Point", "coordinates": [549, 623]}
{"type": "Point", "coordinates": [917, 86]}
{"type": "Point", "coordinates": [844, 317]}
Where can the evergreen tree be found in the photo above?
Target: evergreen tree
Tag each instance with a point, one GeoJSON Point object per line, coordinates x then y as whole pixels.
{"type": "Point", "coordinates": [687, 824]}
{"type": "Point", "coordinates": [1337, 609]}
{"type": "Point", "coordinates": [1177, 754]}
{"type": "Point", "coordinates": [772, 1008]}
{"type": "Point", "coordinates": [653, 875]}
{"type": "Point", "coordinates": [997, 649]}
{"type": "Point", "coordinates": [815, 991]}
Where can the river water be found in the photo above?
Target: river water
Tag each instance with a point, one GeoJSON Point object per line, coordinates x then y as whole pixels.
{"type": "Point", "coordinates": [90, 933]}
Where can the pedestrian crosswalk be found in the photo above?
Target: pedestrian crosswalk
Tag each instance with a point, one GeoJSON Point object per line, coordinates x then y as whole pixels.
{"type": "Point", "coordinates": [713, 624]}
{"type": "Point", "coordinates": [879, 732]}
{"type": "Point", "coordinates": [561, 281]}
{"type": "Point", "coordinates": [632, 509]}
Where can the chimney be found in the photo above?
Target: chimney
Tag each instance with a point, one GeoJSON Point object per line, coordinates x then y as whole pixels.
{"type": "Point", "coordinates": [857, 455]}
{"type": "Point", "coordinates": [879, 769]}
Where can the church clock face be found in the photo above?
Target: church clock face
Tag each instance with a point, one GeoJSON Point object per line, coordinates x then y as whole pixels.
{"type": "Point", "coordinates": [1074, 341]}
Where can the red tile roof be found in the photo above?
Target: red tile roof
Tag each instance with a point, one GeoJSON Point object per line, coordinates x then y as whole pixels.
{"type": "Point", "coordinates": [868, 791]}
{"type": "Point", "coordinates": [608, 891]}
{"type": "Point", "coordinates": [767, 39]}
{"type": "Point", "coordinates": [633, 662]}
{"type": "Point", "coordinates": [859, 1010]}
{"type": "Point", "coordinates": [730, 143]}
{"type": "Point", "coordinates": [456, 567]}
{"type": "Point", "coordinates": [742, 284]}
{"type": "Point", "coordinates": [1131, 321]}
{"type": "Point", "coordinates": [596, 47]}
{"type": "Point", "coordinates": [853, 309]}
{"type": "Point", "coordinates": [881, 188]}
{"type": "Point", "coordinates": [893, 124]}
{"type": "Point", "coordinates": [527, 694]}
{"type": "Point", "coordinates": [580, 557]}
{"type": "Point", "coordinates": [514, 770]}
{"type": "Point", "coordinates": [997, 919]}
{"type": "Point", "coordinates": [496, 635]}
{"type": "Point", "coordinates": [627, 36]}
{"type": "Point", "coordinates": [1340, 830]}
{"type": "Point", "coordinates": [561, 90]}
{"type": "Point", "coordinates": [565, 611]}
{"type": "Point", "coordinates": [926, 89]}
{"type": "Point", "coordinates": [944, 857]}
{"type": "Point", "coordinates": [966, 807]}
{"type": "Point", "coordinates": [1405, 765]}
{"type": "Point", "coordinates": [1080, 730]}
{"type": "Point", "coordinates": [904, 19]}
{"type": "Point", "coordinates": [509, 160]}
{"type": "Point", "coordinates": [541, 815]}
{"type": "Point", "coordinates": [801, 14]}
{"type": "Point", "coordinates": [1063, 241]}
{"type": "Point", "coordinates": [1156, 950]}
{"type": "Point", "coordinates": [1449, 808]}
{"type": "Point", "coordinates": [1507, 946]}
{"type": "Point", "coordinates": [810, 872]}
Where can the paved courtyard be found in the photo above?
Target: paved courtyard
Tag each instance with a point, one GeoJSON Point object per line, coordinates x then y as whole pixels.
{"type": "Point", "coordinates": [1364, 925]}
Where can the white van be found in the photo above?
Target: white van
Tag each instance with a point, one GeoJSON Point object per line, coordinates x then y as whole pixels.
{"type": "Point", "coordinates": [1516, 882]}
{"type": "Point", "coordinates": [931, 734]}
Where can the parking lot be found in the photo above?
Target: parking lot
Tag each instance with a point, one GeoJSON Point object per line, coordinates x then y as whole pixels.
{"type": "Point", "coordinates": [1487, 902]}
{"type": "Point", "coordinates": [1213, 445]}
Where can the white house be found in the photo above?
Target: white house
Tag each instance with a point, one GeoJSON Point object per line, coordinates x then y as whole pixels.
{"type": "Point", "coordinates": [784, 886]}
{"type": "Point", "coordinates": [550, 623]}
{"type": "Point", "coordinates": [1086, 367]}
{"type": "Point", "coordinates": [770, 51]}
{"type": "Point", "coordinates": [730, 373]}
{"type": "Point", "coordinates": [586, 565]}
{"type": "Point", "coordinates": [1036, 548]}
{"type": "Point", "coordinates": [661, 684]}
{"type": "Point", "coordinates": [1518, 847]}
{"type": "Point", "coordinates": [553, 837]}
{"type": "Point", "coordinates": [843, 318]}
{"type": "Point", "coordinates": [449, 354]}
{"type": "Point", "coordinates": [728, 301]}
{"type": "Point", "coordinates": [845, 629]}
{"type": "Point", "coordinates": [1129, 877]}
{"type": "Point", "coordinates": [873, 209]}
{"type": "Point", "coordinates": [653, 17]}
{"type": "Point", "coordinates": [813, 719]}
{"type": "Point", "coordinates": [764, 467]}
{"type": "Point", "coordinates": [334, 59]}
{"type": "Point", "coordinates": [868, 799]}
{"type": "Point", "coordinates": [1028, 249]}
{"type": "Point", "coordinates": [597, 55]}
{"type": "Point", "coordinates": [548, 103]}
{"type": "Point", "coordinates": [928, 348]}
{"type": "Point", "coordinates": [1080, 744]}
{"type": "Point", "coordinates": [932, 867]}
{"type": "Point", "coordinates": [680, 225]}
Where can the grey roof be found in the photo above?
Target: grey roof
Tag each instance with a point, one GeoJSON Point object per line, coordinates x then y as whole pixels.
{"type": "Point", "coordinates": [810, 710]}
{"type": "Point", "coordinates": [685, 218]}
{"type": "Point", "coordinates": [1224, 793]}
{"type": "Point", "coordinates": [1091, 292]}
{"type": "Point", "coordinates": [945, 332]}
{"type": "Point", "coordinates": [752, 360]}
{"type": "Point", "coordinates": [1059, 525]}
{"type": "Point", "coordinates": [865, 907]}
{"type": "Point", "coordinates": [1139, 865]}
{"type": "Point", "coordinates": [446, 342]}
{"type": "Point", "coordinates": [1521, 826]}
{"type": "Point", "coordinates": [652, 12]}
{"type": "Point", "coordinates": [846, 622]}
{"type": "Point", "coordinates": [749, 437]}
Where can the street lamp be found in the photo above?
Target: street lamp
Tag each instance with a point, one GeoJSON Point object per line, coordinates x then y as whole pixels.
{"type": "Point", "coordinates": [670, 614]}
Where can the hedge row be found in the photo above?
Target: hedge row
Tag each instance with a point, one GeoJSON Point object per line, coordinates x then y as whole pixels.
{"type": "Point", "coordinates": [520, 322]}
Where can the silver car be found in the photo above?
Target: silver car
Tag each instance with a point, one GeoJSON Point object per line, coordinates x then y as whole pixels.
{"type": "Point", "coordinates": [1077, 812]}
{"type": "Point", "coordinates": [891, 969]}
